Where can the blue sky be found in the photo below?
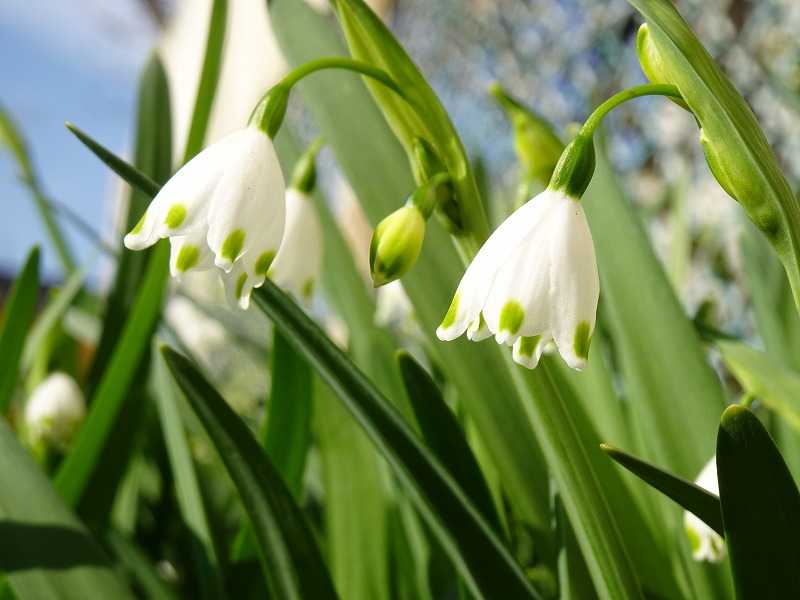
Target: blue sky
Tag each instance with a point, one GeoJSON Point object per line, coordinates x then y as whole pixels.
{"type": "Point", "coordinates": [58, 63]}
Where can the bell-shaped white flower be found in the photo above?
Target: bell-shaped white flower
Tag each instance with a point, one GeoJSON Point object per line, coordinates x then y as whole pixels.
{"type": "Point", "coordinates": [55, 411]}
{"type": "Point", "coordinates": [706, 543]}
{"type": "Point", "coordinates": [297, 266]}
{"type": "Point", "coordinates": [534, 280]}
{"type": "Point", "coordinates": [225, 207]}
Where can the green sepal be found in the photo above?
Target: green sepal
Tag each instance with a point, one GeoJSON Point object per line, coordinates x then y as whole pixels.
{"type": "Point", "coordinates": [575, 168]}
{"type": "Point", "coordinates": [268, 115]}
{"type": "Point", "coordinates": [304, 175]}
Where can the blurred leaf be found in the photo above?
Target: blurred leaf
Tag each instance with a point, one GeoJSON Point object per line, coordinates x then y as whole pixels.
{"type": "Point", "coordinates": [209, 78]}
{"type": "Point", "coordinates": [480, 556]}
{"type": "Point", "coordinates": [764, 378]}
{"type": "Point", "coordinates": [742, 157]}
{"type": "Point", "coordinates": [11, 137]}
{"type": "Point", "coordinates": [444, 437]}
{"type": "Point", "coordinates": [45, 551]}
{"type": "Point", "coordinates": [113, 391]}
{"type": "Point", "coordinates": [137, 564]}
{"type": "Point", "coordinates": [691, 497]}
{"type": "Point", "coordinates": [206, 572]}
{"type": "Point", "coordinates": [18, 313]}
{"type": "Point", "coordinates": [291, 559]}
{"type": "Point", "coordinates": [377, 168]}
{"type": "Point", "coordinates": [760, 509]}
{"type": "Point", "coordinates": [575, 582]}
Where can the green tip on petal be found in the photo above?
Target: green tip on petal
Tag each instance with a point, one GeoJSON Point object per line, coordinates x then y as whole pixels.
{"type": "Point", "coordinates": [187, 257]}
{"type": "Point", "coordinates": [694, 539]}
{"type": "Point", "coordinates": [233, 244]}
{"type": "Point", "coordinates": [263, 263]}
{"type": "Point", "coordinates": [308, 289]}
{"type": "Point", "coordinates": [138, 227]}
{"type": "Point", "coordinates": [450, 317]}
{"type": "Point", "coordinates": [583, 337]}
{"type": "Point", "coordinates": [528, 345]}
{"type": "Point", "coordinates": [175, 216]}
{"type": "Point", "coordinates": [511, 317]}
{"type": "Point", "coordinates": [240, 285]}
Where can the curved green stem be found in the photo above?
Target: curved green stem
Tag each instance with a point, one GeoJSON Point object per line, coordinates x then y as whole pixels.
{"type": "Point", "coordinates": [649, 89]}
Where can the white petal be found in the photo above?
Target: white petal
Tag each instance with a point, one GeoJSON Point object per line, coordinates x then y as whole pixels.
{"type": "Point", "coordinates": [477, 280]}
{"type": "Point", "coordinates": [189, 252]}
{"type": "Point", "coordinates": [181, 204]}
{"type": "Point", "coordinates": [575, 284]}
{"type": "Point", "coordinates": [528, 350]}
{"type": "Point", "coordinates": [238, 286]}
{"type": "Point", "coordinates": [297, 265]}
{"type": "Point", "coordinates": [246, 214]}
{"type": "Point", "coordinates": [477, 330]}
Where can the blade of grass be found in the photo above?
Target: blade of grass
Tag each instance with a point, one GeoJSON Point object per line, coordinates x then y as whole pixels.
{"type": "Point", "coordinates": [137, 565]}
{"type": "Point", "coordinates": [18, 313]}
{"type": "Point", "coordinates": [760, 509]}
{"type": "Point", "coordinates": [480, 556]}
{"type": "Point", "coordinates": [289, 553]}
{"type": "Point", "coordinates": [187, 489]}
{"type": "Point", "coordinates": [45, 551]}
{"type": "Point", "coordinates": [688, 495]}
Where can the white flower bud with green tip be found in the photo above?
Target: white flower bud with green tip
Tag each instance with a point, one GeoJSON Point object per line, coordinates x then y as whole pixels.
{"type": "Point", "coordinates": [55, 411]}
{"type": "Point", "coordinates": [225, 207]}
{"type": "Point", "coordinates": [297, 265]}
{"type": "Point", "coordinates": [707, 544]}
{"type": "Point", "coordinates": [535, 278]}
{"type": "Point", "coordinates": [396, 244]}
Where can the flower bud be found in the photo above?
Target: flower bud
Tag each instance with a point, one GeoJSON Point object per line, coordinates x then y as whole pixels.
{"type": "Point", "coordinates": [651, 62]}
{"type": "Point", "coordinates": [536, 144]}
{"type": "Point", "coordinates": [396, 244]}
{"type": "Point", "coordinates": [55, 411]}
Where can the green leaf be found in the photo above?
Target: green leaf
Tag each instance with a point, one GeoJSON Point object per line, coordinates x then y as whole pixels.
{"type": "Point", "coordinates": [760, 509]}
{"type": "Point", "coordinates": [18, 314]}
{"type": "Point", "coordinates": [45, 551]}
{"type": "Point", "coordinates": [206, 570]}
{"type": "Point", "coordinates": [741, 157]}
{"type": "Point", "coordinates": [444, 437]}
{"type": "Point", "coordinates": [290, 555]}
{"type": "Point", "coordinates": [11, 137]}
{"type": "Point", "coordinates": [693, 498]}
{"type": "Point", "coordinates": [762, 377]}
{"type": "Point", "coordinates": [481, 557]}
{"type": "Point", "coordinates": [112, 395]}
{"type": "Point", "coordinates": [133, 176]}
{"type": "Point", "coordinates": [209, 78]}
{"type": "Point", "coordinates": [137, 565]}
{"type": "Point", "coordinates": [376, 167]}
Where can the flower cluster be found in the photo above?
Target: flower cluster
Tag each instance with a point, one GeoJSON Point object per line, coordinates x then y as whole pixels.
{"type": "Point", "coordinates": [228, 207]}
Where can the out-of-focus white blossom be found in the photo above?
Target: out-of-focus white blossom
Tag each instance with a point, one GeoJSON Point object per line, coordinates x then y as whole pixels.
{"type": "Point", "coordinates": [55, 410]}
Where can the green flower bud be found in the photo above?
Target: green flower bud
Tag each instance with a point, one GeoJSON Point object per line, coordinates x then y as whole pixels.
{"type": "Point", "coordinates": [651, 62]}
{"type": "Point", "coordinates": [575, 168]}
{"type": "Point", "coordinates": [537, 146]}
{"type": "Point", "coordinates": [396, 244]}
{"type": "Point", "coordinates": [304, 175]}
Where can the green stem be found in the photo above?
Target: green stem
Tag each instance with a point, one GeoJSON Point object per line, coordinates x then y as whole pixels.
{"type": "Point", "coordinates": [649, 89]}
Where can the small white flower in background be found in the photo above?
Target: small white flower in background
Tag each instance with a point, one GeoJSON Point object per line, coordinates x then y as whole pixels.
{"type": "Point", "coordinates": [297, 266]}
{"type": "Point", "coordinates": [225, 207]}
{"type": "Point", "coordinates": [55, 411]}
{"type": "Point", "coordinates": [706, 543]}
{"type": "Point", "coordinates": [534, 280]}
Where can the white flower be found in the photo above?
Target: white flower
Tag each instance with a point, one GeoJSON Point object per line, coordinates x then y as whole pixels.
{"type": "Point", "coordinates": [706, 543]}
{"type": "Point", "coordinates": [297, 265]}
{"type": "Point", "coordinates": [225, 207]}
{"type": "Point", "coordinates": [534, 280]}
{"type": "Point", "coordinates": [55, 411]}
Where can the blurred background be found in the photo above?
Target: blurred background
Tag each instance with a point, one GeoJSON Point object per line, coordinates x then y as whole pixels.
{"type": "Point", "coordinates": [560, 57]}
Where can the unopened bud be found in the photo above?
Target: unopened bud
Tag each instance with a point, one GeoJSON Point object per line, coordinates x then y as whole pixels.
{"type": "Point", "coordinates": [55, 411]}
{"type": "Point", "coordinates": [396, 244]}
{"type": "Point", "coordinates": [651, 62]}
{"type": "Point", "coordinates": [536, 144]}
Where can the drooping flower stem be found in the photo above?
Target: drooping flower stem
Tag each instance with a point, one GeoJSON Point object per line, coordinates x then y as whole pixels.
{"type": "Point", "coordinates": [270, 110]}
{"type": "Point", "coordinates": [648, 89]}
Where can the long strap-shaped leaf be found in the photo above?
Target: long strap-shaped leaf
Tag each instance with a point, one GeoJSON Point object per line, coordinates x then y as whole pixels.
{"type": "Point", "coordinates": [693, 498]}
{"type": "Point", "coordinates": [760, 509]}
{"type": "Point", "coordinates": [19, 311]}
{"type": "Point", "coordinates": [291, 558]}
{"type": "Point", "coordinates": [482, 559]}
